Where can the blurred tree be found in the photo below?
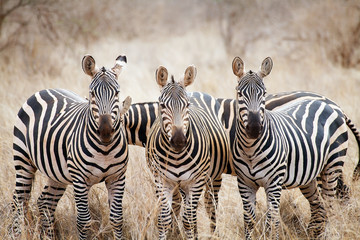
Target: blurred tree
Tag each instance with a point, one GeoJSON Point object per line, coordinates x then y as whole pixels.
{"type": "Point", "coordinates": [16, 16]}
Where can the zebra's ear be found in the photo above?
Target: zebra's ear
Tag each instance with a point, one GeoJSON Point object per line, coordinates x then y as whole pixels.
{"type": "Point", "coordinates": [126, 105]}
{"type": "Point", "coordinates": [120, 63]}
{"type": "Point", "coordinates": [266, 67]}
{"type": "Point", "coordinates": [238, 67]}
{"type": "Point", "coordinates": [89, 66]}
{"type": "Point", "coordinates": [189, 76]}
{"type": "Point", "coordinates": [161, 76]}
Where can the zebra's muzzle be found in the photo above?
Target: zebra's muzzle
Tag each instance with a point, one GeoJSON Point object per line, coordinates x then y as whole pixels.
{"type": "Point", "coordinates": [254, 127]}
{"type": "Point", "coordinates": [106, 129]}
{"type": "Point", "coordinates": [178, 140]}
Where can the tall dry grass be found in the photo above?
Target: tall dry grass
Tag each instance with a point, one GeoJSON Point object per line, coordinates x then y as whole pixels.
{"type": "Point", "coordinates": [313, 44]}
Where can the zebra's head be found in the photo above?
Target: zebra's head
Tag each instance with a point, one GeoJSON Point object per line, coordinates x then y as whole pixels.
{"type": "Point", "coordinates": [251, 96]}
{"type": "Point", "coordinates": [104, 91]}
{"type": "Point", "coordinates": [174, 106]}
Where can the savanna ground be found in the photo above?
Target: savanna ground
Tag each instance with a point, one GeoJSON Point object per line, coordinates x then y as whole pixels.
{"type": "Point", "coordinates": [315, 46]}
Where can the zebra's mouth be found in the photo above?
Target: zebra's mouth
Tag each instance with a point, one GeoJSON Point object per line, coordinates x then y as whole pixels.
{"type": "Point", "coordinates": [254, 131]}
{"type": "Point", "coordinates": [178, 141]}
{"type": "Point", "coordinates": [106, 130]}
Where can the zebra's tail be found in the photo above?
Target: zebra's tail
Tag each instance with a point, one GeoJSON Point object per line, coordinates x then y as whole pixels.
{"type": "Point", "coordinates": [355, 131]}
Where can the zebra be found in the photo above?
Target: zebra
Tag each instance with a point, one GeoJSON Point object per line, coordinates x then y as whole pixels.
{"type": "Point", "coordinates": [276, 101]}
{"type": "Point", "coordinates": [186, 150]}
{"type": "Point", "coordinates": [285, 147]}
{"type": "Point", "coordinates": [75, 141]}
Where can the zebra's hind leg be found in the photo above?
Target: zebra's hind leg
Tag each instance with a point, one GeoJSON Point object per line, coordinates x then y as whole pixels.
{"type": "Point", "coordinates": [47, 203]}
{"type": "Point", "coordinates": [318, 214]}
{"type": "Point", "coordinates": [342, 190]}
{"type": "Point", "coordinates": [25, 173]}
{"type": "Point", "coordinates": [211, 200]}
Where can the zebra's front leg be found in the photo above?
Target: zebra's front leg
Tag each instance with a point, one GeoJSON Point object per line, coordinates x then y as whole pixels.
{"type": "Point", "coordinates": [164, 193]}
{"type": "Point", "coordinates": [47, 203]}
{"type": "Point", "coordinates": [318, 214]}
{"type": "Point", "coordinates": [273, 194]}
{"type": "Point", "coordinates": [192, 196]}
{"type": "Point", "coordinates": [248, 196]}
{"type": "Point", "coordinates": [115, 196]}
{"type": "Point", "coordinates": [81, 192]}
{"type": "Point", "coordinates": [211, 200]}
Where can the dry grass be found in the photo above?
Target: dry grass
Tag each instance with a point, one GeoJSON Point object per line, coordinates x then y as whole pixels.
{"type": "Point", "coordinates": [313, 45]}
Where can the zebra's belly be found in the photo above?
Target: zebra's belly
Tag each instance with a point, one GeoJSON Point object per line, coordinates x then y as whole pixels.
{"type": "Point", "coordinates": [57, 172]}
{"type": "Point", "coordinates": [300, 175]}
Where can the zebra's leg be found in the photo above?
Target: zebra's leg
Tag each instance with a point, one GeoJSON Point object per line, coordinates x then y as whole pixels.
{"type": "Point", "coordinates": [176, 206]}
{"type": "Point", "coordinates": [318, 213]}
{"type": "Point", "coordinates": [342, 190]}
{"type": "Point", "coordinates": [81, 192]}
{"type": "Point", "coordinates": [164, 195]}
{"type": "Point", "coordinates": [192, 196]}
{"type": "Point", "coordinates": [248, 196]}
{"type": "Point", "coordinates": [47, 203]}
{"type": "Point", "coordinates": [273, 194]}
{"type": "Point", "coordinates": [332, 179]}
{"type": "Point", "coordinates": [115, 195]}
{"type": "Point", "coordinates": [25, 172]}
{"type": "Point", "coordinates": [211, 200]}
{"type": "Point", "coordinates": [176, 202]}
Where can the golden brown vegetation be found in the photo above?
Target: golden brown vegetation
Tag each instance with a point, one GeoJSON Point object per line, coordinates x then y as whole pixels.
{"type": "Point", "coordinates": [314, 44]}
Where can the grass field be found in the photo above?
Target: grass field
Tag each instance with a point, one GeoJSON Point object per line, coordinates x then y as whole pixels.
{"type": "Point", "coordinates": [315, 46]}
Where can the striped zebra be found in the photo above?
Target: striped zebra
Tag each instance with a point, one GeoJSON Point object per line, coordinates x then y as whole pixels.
{"type": "Point", "coordinates": [186, 150]}
{"type": "Point", "coordinates": [288, 147]}
{"type": "Point", "coordinates": [277, 101]}
{"type": "Point", "coordinates": [75, 141]}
